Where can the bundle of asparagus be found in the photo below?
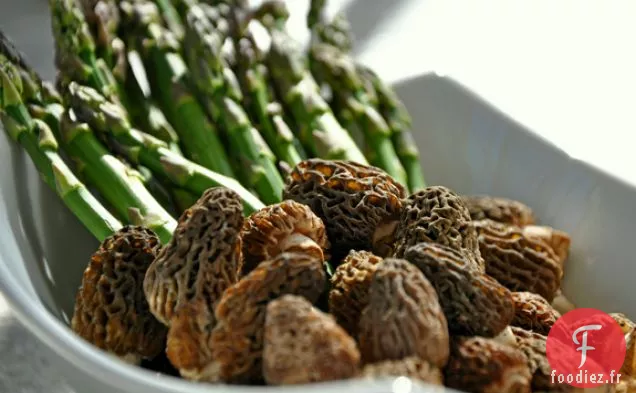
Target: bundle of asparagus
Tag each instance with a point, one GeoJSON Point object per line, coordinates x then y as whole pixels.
{"type": "Point", "coordinates": [160, 100]}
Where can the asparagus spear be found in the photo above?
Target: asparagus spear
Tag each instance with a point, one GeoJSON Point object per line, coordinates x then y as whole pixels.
{"type": "Point", "coordinates": [107, 118]}
{"type": "Point", "coordinates": [320, 131]}
{"type": "Point", "coordinates": [332, 67]}
{"type": "Point", "coordinates": [103, 18]}
{"type": "Point", "coordinates": [337, 32]}
{"type": "Point", "coordinates": [169, 74]}
{"type": "Point", "coordinates": [75, 49]}
{"type": "Point", "coordinates": [38, 141]}
{"type": "Point", "coordinates": [398, 118]}
{"type": "Point", "coordinates": [263, 108]}
{"type": "Point", "coordinates": [205, 33]}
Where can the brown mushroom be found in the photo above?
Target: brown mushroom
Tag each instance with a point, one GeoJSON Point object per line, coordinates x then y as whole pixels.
{"type": "Point", "coordinates": [533, 312]}
{"type": "Point", "coordinates": [519, 262]}
{"type": "Point", "coordinates": [503, 210]}
{"type": "Point", "coordinates": [360, 205]}
{"type": "Point", "coordinates": [437, 215]}
{"type": "Point", "coordinates": [236, 342]}
{"type": "Point", "coordinates": [628, 327]}
{"type": "Point", "coordinates": [403, 317]}
{"type": "Point", "coordinates": [559, 241]}
{"type": "Point", "coordinates": [482, 365]}
{"type": "Point", "coordinates": [533, 346]}
{"type": "Point", "coordinates": [111, 311]}
{"type": "Point", "coordinates": [626, 385]}
{"type": "Point", "coordinates": [284, 227]}
{"type": "Point", "coordinates": [302, 344]}
{"type": "Point", "coordinates": [474, 303]}
{"type": "Point", "coordinates": [411, 367]}
{"type": "Point", "coordinates": [349, 293]}
{"type": "Point", "coordinates": [203, 257]}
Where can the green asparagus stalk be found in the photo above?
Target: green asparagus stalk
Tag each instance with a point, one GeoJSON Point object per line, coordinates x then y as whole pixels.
{"type": "Point", "coordinates": [332, 67]}
{"type": "Point", "coordinates": [205, 33]}
{"type": "Point", "coordinates": [120, 185]}
{"type": "Point", "coordinates": [319, 131]}
{"type": "Point", "coordinates": [263, 108]}
{"type": "Point", "coordinates": [75, 50]}
{"type": "Point", "coordinates": [170, 77]}
{"type": "Point", "coordinates": [38, 141]}
{"type": "Point", "coordinates": [398, 118]}
{"type": "Point", "coordinates": [337, 32]}
{"type": "Point", "coordinates": [171, 18]}
{"type": "Point", "coordinates": [103, 19]}
{"type": "Point", "coordinates": [107, 118]}
{"type": "Point", "coordinates": [334, 31]}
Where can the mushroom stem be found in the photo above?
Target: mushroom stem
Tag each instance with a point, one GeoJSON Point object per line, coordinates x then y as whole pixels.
{"type": "Point", "coordinates": [297, 242]}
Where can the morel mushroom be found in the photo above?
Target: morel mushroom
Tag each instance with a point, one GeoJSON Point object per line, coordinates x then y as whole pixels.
{"type": "Point", "coordinates": [349, 293]}
{"type": "Point", "coordinates": [503, 210]}
{"type": "Point", "coordinates": [474, 303]}
{"type": "Point", "coordinates": [237, 340]}
{"type": "Point", "coordinates": [519, 262]}
{"type": "Point", "coordinates": [284, 227]}
{"type": "Point", "coordinates": [626, 324]}
{"type": "Point", "coordinates": [533, 312]}
{"type": "Point", "coordinates": [628, 327]}
{"type": "Point", "coordinates": [626, 385]}
{"type": "Point", "coordinates": [203, 257]}
{"type": "Point", "coordinates": [111, 311]}
{"type": "Point", "coordinates": [559, 241]}
{"type": "Point", "coordinates": [302, 344]}
{"type": "Point", "coordinates": [437, 215]}
{"type": "Point", "coordinates": [482, 365]}
{"type": "Point", "coordinates": [533, 346]}
{"type": "Point", "coordinates": [360, 205]}
{"type": "Point", "coordinates": [403, 317]}
{"type": "Point", "coordinates": [411, 367]}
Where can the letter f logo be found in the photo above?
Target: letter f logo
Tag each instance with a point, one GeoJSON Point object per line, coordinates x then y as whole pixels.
{"type": "Point", "coordinates": [584, 347]}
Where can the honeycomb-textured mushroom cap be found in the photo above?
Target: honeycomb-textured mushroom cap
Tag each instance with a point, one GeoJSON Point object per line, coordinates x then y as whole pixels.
{"type": "Point", "coordinates": [628, 327]}
{"type": "Point", "coordinates": [559, 241]}
{"type": "Point", "coordinates": [202, 259]}
{"type": "Point", "coordinates": [302, 344]}
{"type": "Point", "coordinates": [284, 227]}
{"type": "Point", "coordinates": [411, 367]}
{"type": "Point", "coordinates": [360, 205]}
{"type": "Point", "coordinates": [482, 365]}
{"type": "Point", "coordinates": [237, 339]}
{"type": "Point", "coordinates": [533, 346]}
{"type": "Point", "coordinates": [437, 215]}
{"type": "Point", "coordinates": [111, 311]}
{"type": "Point", "coordinates": [533, 312]}
{"type": "Point", "coordinates": [474, 303]}
{"type": "Point", "coordinates": [626, 324]}
{"type": "Point", "coordinates": [503, 210]}
{"type": "Point", "coordinates": [349, 293]}
{"type": "Point", "coordinates": [519, 262]}
{"type": "Point", "coordinates": [403, 318]}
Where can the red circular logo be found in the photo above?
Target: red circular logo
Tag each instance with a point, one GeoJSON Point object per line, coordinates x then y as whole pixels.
{"type": "Point", "coordinates": [585, 348]}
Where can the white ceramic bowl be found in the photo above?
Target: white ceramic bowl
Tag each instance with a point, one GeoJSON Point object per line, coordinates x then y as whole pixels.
{"type": "Point", "coordinates": [466, 145]}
